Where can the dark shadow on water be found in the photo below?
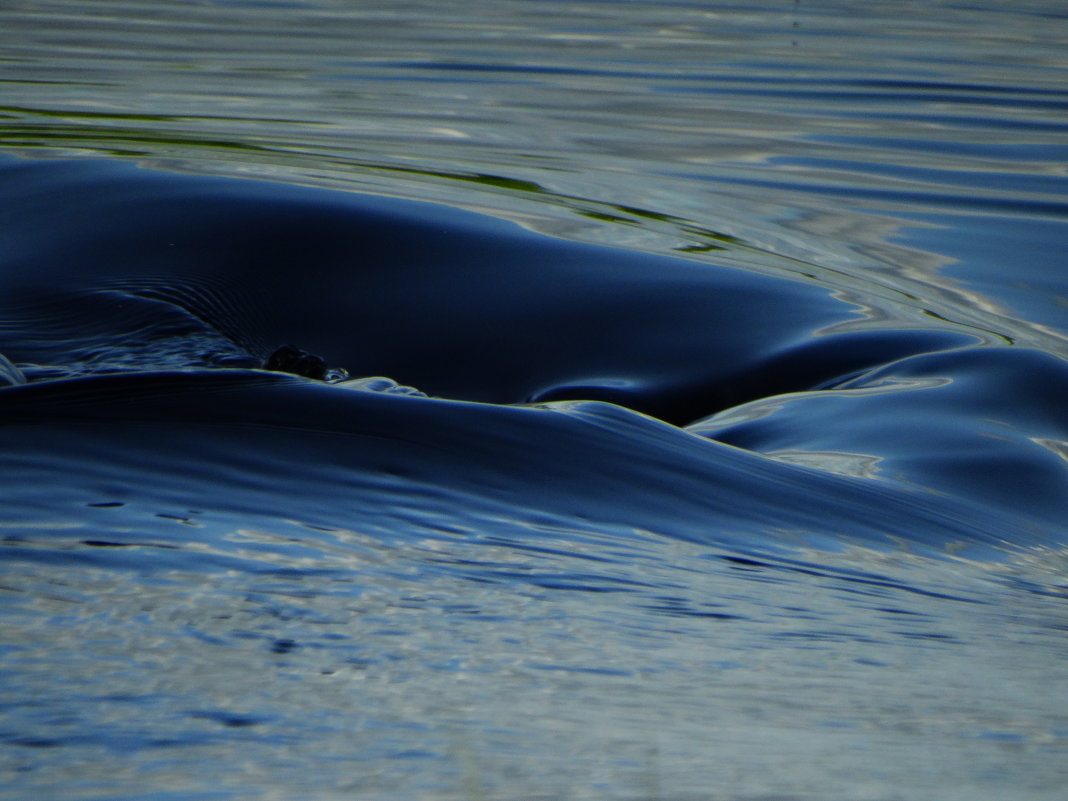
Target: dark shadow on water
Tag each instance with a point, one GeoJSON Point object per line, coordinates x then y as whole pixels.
{"type": "Point", "coordinates": [136, 320]}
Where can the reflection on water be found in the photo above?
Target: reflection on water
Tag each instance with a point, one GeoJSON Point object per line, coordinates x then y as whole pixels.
{"type": "Point", "coordinates": [402, 678]}
{"type": "Point", "coordinates": [791, 137]}
{"type": "Point", "coordinates": [219, 583]}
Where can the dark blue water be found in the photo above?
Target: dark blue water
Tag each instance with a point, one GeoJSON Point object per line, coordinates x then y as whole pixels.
{"type": "Point", "coordinates": [691, 420]}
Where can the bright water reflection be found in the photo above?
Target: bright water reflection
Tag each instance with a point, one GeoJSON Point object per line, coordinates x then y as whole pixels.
{"type": "Point", "coordinates": [401, 678]}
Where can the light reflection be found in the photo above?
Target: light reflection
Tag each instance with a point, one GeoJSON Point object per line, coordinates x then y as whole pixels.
{"type": "Point", "coordinates": [855, 465]}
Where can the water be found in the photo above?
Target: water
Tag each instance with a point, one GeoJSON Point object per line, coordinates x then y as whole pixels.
{"type": "Point", "coordinates": [722, 450]}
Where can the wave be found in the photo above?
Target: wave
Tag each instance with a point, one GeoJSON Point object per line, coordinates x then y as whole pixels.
{"type": "Point", "coordinates": [571, 387]}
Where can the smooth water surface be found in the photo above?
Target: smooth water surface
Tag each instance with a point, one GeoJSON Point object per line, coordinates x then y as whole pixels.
{"type": "Point", "coordinates": [694, 424]}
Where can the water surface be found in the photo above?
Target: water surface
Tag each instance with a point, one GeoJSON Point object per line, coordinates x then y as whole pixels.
{"type": "Point", "coordinates": [694, 425]}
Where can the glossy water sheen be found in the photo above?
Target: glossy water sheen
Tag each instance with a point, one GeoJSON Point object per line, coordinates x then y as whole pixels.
{"type": "Point", "coordinates": [722, 449]}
